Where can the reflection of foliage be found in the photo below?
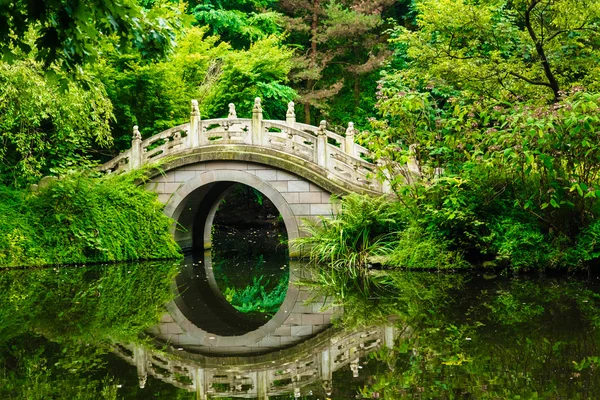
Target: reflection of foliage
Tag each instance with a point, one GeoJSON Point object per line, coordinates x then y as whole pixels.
{"type": "Point", "coordinates": [255, 298]}
{"type": "Point", "coordinates": [484, 339]}
{"type": "Point", "coordinates": [93, 304]}
{"type": "Point", "coordinates": [57, 326]}
{"type": "Point", "coordinates": [33, 368]}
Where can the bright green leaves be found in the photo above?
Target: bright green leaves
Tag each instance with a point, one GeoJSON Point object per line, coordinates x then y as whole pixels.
{"type": "Point", "coordinates": [70, 34]}
{"type": "Point", "coordinates": [529, 49]}
{"type": "Point", "coordinates": [156, 96]}
{"type": "Point", "coordinates": [261, 71]}
{"type": "Point", "coordinates": [44, 127]}
{"type": "Point", "coordinates": [239, 23]}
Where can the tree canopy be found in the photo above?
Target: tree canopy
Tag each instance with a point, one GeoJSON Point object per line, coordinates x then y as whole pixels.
{"type": "Point", "coordinates": [70, 33]}
{"type": "Point", "coordinates": [527, 49]}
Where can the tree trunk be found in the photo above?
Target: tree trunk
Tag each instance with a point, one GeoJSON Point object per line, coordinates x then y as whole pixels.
{"type": "Point", "coordinates": [357, 91]}
{"type": "Point", "coordinates": [539, 48]}
{"type": "Point", "coordinates": [307, 113]}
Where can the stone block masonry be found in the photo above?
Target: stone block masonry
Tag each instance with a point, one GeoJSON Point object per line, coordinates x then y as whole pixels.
{"type": "Point", "coordinates": [306, 200]}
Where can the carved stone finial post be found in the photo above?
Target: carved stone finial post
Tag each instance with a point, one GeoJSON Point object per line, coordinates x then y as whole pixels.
{"type": "Point", "coordinates": [232, 112]}
{"type": "Point", "coordinates": [135, 158]}
{"type": "Point", "coordinates": [321, 147]}
{"type": "Point", "coordinates": [194, 139]}
{"type": "Point", "coordinates": [322, 128]}
{"type": "Point", "coordinates": [141, 362]}
{"type": "Point", "coordinates": [257, 117]}
{"type": "Point", "coordinates": [200, 384]}
{"type": "Point", "coordinates": [136, 133]}
{"type": "Point", "coordinates": [290, 115]}
{"type": "Point", "coordinates": [349, 143]}
{"type": "Point", "coordinates": [354, 367]}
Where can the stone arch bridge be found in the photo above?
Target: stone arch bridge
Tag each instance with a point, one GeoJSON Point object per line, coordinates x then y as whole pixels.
{"type": "Point", "coordinates": [297, 166]}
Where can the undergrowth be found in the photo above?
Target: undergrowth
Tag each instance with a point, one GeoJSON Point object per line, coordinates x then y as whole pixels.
{"type": "Point", "coordinates": [82, 219]}
{"type": "Point", "coordinates": [371, 231]}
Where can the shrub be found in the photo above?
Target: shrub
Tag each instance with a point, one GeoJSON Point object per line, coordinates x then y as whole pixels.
{"type": "Point", "coordinates": [81, 219]}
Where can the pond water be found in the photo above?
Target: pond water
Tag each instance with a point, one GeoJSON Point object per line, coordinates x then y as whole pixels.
{"type": "Point", "coordinates": [241, 322]}
{"type": "Point", "coordinates": [72, 333]}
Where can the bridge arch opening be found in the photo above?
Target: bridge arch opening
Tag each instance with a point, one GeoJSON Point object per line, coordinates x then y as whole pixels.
{"type": "Point", "coordinates": [194, 204]}
{"type": "Point", "coordinates": [212, 299]}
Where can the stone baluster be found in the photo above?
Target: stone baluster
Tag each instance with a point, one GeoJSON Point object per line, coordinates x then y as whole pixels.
{"type": "Point", "coordinates": [349, 147]}
{"type": "Point", "coordinates": [326, 370]}
{"type": "Point", "coordinates": [140, 360]}
{"type": "Point", "coordinates": [135, 158]}
{"type": "Point", "coordinates": [262, 385]}
{"type": "Point", "coordinates": [321, 145]}
{"type": "Point", "coordinates": [232, 112]}
{"type": "Point", "coordinates": [389, 337]}
{"type": "Point", "coordinates": [200, 384]}
{"type": "Point", "coordinates": [257, 117]}
{"type": "Point", "coordinates": [194, 135]}
{"type": "Point", "coordinates": [290, 115]}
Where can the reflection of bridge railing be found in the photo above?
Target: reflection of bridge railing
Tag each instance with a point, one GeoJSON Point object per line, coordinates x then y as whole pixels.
{"type": "Point", "coordinates": [338, 155]}
{"type": "Point", "coordinates": [259, 377]}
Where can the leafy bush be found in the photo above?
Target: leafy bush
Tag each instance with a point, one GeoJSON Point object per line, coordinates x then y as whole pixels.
{"type": "Point", "coordinates": [415, 249]}
{"type": "Point", "coordinates": [361, 230]}
{"type": "Point", "coordinates": [81, 219]}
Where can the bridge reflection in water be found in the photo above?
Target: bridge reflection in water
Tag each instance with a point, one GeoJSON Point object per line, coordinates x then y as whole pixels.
{"type": "Point", "coordinates": [204, 345]}
{"type": "Point", "coordinates": [287, 371]}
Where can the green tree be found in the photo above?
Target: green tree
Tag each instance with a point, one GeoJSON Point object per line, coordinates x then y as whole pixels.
{"type": "Point", "coordinates": [156, 95]}
{"type": "Point", "coordinates": [71, 33]}
{"type": "Point", "coordinates": [43, 127]}
{"type": "Point", "coordinates": [339, 43]}
{"type": "Point", "coordinates": [530, 49]}
{"type": "Point", "coordinates": [261, 71]}
{"type": "Point", "coordinates": [239, 22]}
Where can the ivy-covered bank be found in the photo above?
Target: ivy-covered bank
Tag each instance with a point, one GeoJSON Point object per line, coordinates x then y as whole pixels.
{"type": "Point", "coordinates": [83, 219]}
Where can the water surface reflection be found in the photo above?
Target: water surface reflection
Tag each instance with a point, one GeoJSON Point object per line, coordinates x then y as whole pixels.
{"type": "Point", "coordinates": [82, 333]}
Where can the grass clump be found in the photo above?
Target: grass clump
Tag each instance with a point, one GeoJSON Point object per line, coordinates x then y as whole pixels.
{"type": "Point", "coordinates": [82, 219]}
{"type": "Point", "coordinates": [371, 231]}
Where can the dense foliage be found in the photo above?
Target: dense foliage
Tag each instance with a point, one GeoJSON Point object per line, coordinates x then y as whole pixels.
{"type": "Point", "coordinates": [81, 219]}
{"type": "Point", "coordinates": [69, 34]}
{"type": "Point", "coordinates": [493, 105]}
{"type": "Point", "coordinates": [488, 136]}
{"type": "Point", "coordinates": [43, 127]}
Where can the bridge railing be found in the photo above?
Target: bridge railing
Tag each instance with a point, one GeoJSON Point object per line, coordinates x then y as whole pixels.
{"type": "Point", "coordinates": [338, 154]}
{"type": "Point", "coordinates": [256, 376]}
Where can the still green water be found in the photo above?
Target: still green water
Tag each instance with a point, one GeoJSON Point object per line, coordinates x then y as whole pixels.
{"type": "Point", "coordinates": [461, 336]}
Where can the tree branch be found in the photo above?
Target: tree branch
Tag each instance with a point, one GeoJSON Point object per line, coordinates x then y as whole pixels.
{"type": "Point", "coordinates": [538, 83]}
{"type": "Point", "coordinates": [539, 47]}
